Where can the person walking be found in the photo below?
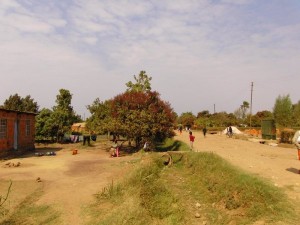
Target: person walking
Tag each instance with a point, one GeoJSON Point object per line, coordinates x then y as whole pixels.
{"type": "Point", "coordinates": [180, 129]}
{"type": "Point", "coordinates": [204, 130]}
{"type": "Point", "coordinates": [192, 139]}
{"type": "Point", "coordinates": [229, 131]}
{"type": "Point", "coordinates": [296, 141]}
{"type": "Point", "coordinates": [86, 137]}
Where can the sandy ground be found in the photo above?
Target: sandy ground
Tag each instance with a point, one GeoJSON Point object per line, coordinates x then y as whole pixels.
{"type": "Point", "coordinates": [278, 165]}
{"type": "Point", "coordinates": [70, 181]}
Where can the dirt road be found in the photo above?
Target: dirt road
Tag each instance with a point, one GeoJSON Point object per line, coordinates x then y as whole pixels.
{"type": "Point", "coordinates": [70, 181]}
{"type": "Point", "coordinates": [278, 165]}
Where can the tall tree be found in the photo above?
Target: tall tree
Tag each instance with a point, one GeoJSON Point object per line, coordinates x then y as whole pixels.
{"type": "Point", "coordinates": [296, 114]}
{"type": "Point", "coordinates": [186, 119]}
{"type": "Point", "coordinates": [16, 102]}
{"type": "Point", "coordinates": [259, 116]}
{"type": "Point", "coordinates": [45, 125]}
{"type": "Point", "coordinates": [282, 111]}
{"type": "Point", "coordinates": [142, 83]}
{"type": "Point", "coordinates": [138, 113]}
{"type": "Point", "coordinates": [204, 113]}
{"type": "Point", "coordinates": [244, 107]}
{"type": "Point", "coordinates": [100, 119]}
{"type": "Point", "coordinates": [142, 115]}
{"type": "Point", "coordinates": [63, 114]}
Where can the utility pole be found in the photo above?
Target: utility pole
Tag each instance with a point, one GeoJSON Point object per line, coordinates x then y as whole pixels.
{"type": "Point", "coordinates": [251, 105]}
{"type": "Point", "coordinates": [214, 108]}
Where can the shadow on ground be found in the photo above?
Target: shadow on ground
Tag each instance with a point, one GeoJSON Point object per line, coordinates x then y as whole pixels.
{"type": "Point", "coordinates": [293, 170]}
{"type": "Point", "coordinates": [160, 147]}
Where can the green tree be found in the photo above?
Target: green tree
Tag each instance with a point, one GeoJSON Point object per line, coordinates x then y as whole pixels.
{"type": "Point", "coordinates": [16, 102]}
{"type": "Point", "coordinates": [187, 119]}
{"type": "Point", "coordinates": [282, 111]}
{"type": "Point", "coordinates": [259, 116]}
{"type": "Point", "coordinates": [244, 108]}
{"type": "Point", "coordinates": [138, 113]}
{"type": "Point", "coordinates": [45, 125]}
{"type": "Point", "coordinates": [204, 113]}
{"type": "Point", "coordinates": [63, 115]}
{"type": "Point", "coordinates": [100, 119]}
{"type": "Point", "coordinates": [223, 119]}
{"type": "Point", "coordinates": [142, 116]}
{"type": "Point", "coordinates": [296, 114]}
{"type": "Point", "coordinates": [142, 83]}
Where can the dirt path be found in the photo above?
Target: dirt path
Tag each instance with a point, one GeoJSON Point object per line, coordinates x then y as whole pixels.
{"type": "Point", "coordinates": [68, 181]}
{"type": "Point", "coordinates": [279, 165]}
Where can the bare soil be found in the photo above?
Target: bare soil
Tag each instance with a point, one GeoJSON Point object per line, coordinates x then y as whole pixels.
{"type": "Point", "coordinates": [69, 182]}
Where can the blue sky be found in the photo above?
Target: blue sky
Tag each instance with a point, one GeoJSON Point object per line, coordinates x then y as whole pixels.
{"type": "Point", "coordinates": [198, 52]}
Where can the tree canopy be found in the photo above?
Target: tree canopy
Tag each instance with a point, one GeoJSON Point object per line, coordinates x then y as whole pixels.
{"type": "Point", "coordinates": [296, 114]}
{"type": "Point", "coordinates": [58, 121]}
{"type": "Point", "coordinates": [142, 83]}
{"type": "Point", "coordinates": [63, 115]}
{"type": "Point", "coordinates": [16, 102]}
{"type": "Point", "coordinates": [282, 111]}
{"type": "Point", "coordinates": [186, 119]}
{"type": "Point", "coordinates": [138, 113]}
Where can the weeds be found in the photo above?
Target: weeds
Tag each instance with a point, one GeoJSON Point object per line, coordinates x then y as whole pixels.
{"type": "Point", "coordinates": [110, 191]}
{"type": "Point", "coordinates": [29, 213]}
{"type": "Point", "coordinates": [3, 199]}
{"type": "Point", "coordinates": [232, 190]}
{"type": "Point", "coordinates": [155, 194]}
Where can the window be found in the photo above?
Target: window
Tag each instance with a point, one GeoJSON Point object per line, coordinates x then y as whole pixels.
{"type": "Point", "coordinates": [3, 128]}
{"type": "Point", "coordinates": [27, 128]}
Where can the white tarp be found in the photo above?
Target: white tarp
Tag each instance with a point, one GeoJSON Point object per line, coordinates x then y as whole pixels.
{"type": "Point", "coordinates": [296, 138]}
{"type": "Point", "coordinates": [234, 130]}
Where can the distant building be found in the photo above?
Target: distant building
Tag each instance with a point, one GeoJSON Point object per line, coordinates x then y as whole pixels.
{"type": "Point", "coordinates": [17, 131]}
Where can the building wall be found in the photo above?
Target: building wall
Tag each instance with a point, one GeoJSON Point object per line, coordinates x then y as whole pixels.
{"type": "Point", "coordinates": [25, 139]}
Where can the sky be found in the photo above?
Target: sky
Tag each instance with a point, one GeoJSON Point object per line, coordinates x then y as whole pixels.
{"type": "Point", "coordinates": [201, 54]}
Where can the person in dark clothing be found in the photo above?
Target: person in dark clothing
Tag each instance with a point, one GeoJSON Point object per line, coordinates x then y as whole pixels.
{"type": "Point", "coordinates": [229, 131]}
{"type": "Point", "coordinates": [204, 130]}
{"type": "Point", "coordinates": [86, 137]}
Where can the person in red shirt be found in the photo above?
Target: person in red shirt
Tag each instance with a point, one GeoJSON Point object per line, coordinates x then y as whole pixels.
{"type": "Point", "coordinates": [192, 139]}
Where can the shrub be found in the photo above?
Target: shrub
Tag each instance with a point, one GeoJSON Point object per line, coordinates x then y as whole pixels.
{"type": "Point", "coordinates": [286, 136]}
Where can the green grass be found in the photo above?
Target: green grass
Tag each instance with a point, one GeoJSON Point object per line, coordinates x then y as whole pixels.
{"type": "Point", "coordinates": [30, 213]}
{"type": "Point", "coordinates": [155, 194]}
{"type": "Point", "coordinates": [233, 195]}
{"type": "Point", "coordinates": [141, 199]}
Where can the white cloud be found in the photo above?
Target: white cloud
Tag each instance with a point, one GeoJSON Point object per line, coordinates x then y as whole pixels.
{"type": "Point", "coordinates": [238, 2]}
{"type": "Point", "coordinates": [193, 49]}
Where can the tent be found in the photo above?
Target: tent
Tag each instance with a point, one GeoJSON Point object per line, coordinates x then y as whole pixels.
{"type": "Point", "coordinates": [234, 130]}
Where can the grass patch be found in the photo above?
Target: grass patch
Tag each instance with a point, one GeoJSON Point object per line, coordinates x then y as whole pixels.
{"type": "Point", "coordinates": [235, 195]}
{"type": "Point", "coordinates": [140, 199]}
{"type": "Point", "coordinates": [201, 184]}
{"type": "Point", "coordinates": [29, 213]}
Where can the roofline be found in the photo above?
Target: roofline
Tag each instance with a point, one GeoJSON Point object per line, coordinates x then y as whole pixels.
{"type": "Point", "coordinates": [18, 112]}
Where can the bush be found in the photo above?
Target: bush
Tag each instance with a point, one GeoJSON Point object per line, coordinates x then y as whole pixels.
{"type": "Point", "coordinates": [286, 136]}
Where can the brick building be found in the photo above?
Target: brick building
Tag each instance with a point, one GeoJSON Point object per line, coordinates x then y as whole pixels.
{"type": "Point", "coordinates": [17, 131]}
